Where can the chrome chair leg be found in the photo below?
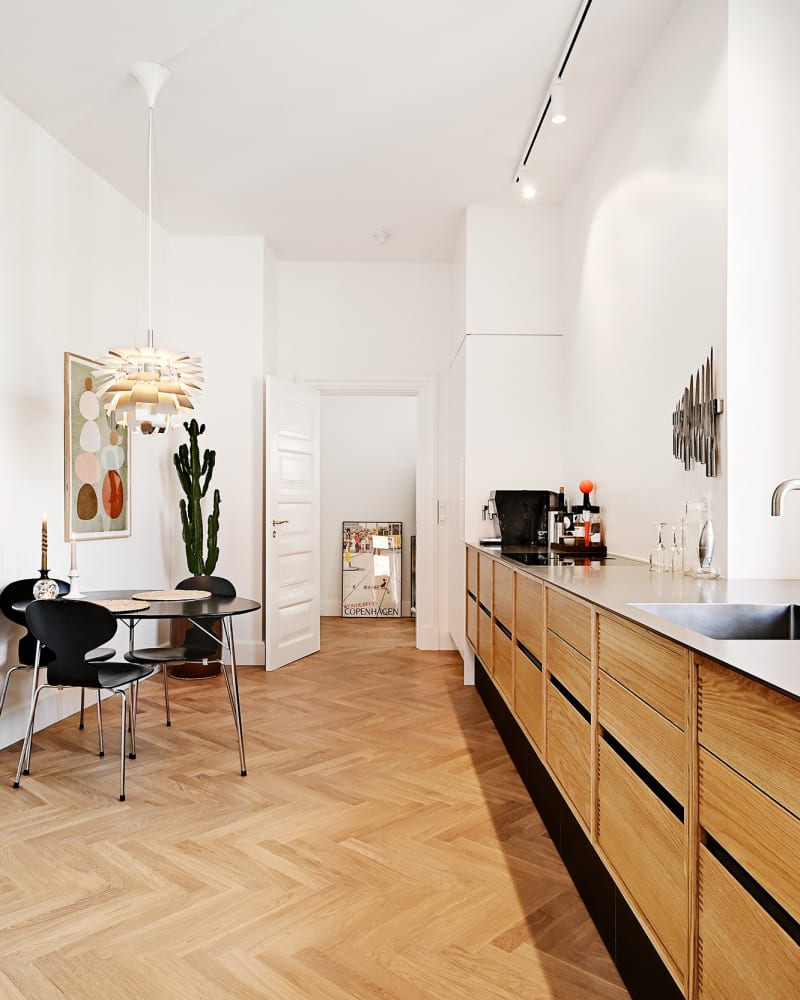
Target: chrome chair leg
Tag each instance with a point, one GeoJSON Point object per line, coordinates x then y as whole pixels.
{"type": "Point", "coordinates": [165, 672]}
{"type": "Point", "coordinates": [4, 692]}
{"type": "Point", "coordinates": [132, 710]}
{"type": "Point", "coordinates": [123, 735]}
{"type": "Point", "coordinates": [102, 751]}
{"type": "Point", "coordinates": [24, 757]}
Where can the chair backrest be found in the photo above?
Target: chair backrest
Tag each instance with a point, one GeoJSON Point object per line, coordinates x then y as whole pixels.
{"type": "Point", "coordinates": [70, 629]}
{"type": "Point", "coordinates": [218, 585]}
{"type": "Point", "coordinates": [198, 642]}
{"type": "Point", "coordinates": [22, 590]}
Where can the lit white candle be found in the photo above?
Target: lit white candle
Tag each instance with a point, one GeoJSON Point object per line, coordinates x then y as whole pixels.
{"type": "Point", "coordinates": [73, 552]}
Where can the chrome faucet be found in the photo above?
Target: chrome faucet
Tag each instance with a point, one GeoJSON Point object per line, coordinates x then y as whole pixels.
{"type": "Point", "coordinates": [780, 492]}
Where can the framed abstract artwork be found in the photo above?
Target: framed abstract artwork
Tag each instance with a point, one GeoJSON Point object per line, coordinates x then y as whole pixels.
{"type": "Point", "coordinates": [372, 559]}
{"type": "Point", "coordinates": [96, 460]}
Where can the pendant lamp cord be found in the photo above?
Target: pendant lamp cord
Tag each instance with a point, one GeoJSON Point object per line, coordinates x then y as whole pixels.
{"type": "Point", "coordinates": [149, 261]}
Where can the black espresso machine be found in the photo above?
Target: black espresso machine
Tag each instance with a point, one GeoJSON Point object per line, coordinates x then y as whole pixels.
{"type": "Point", "coordinates": [523, 516]}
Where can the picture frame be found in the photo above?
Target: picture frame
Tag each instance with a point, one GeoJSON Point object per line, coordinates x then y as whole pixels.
{"type": "Point", "coordinates": [372, 564]}
{"type": "Point", "coordinates": [97, 460]}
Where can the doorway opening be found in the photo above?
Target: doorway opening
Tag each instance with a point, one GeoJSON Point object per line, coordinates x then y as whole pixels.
{"type": "Point", "coordinates": [357, 396]}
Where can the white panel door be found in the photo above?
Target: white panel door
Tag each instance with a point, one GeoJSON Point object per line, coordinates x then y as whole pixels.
{"type": "Point", "coordinates": [292, 530]}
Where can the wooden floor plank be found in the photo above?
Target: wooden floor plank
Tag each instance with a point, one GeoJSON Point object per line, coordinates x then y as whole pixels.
{"type": "Point", "coordinates": [381, 846]}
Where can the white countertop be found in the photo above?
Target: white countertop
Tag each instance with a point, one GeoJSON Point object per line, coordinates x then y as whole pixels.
{"type": "Point", "coordinates": [618, 586]}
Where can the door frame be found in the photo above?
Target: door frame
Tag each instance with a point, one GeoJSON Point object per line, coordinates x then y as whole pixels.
{"type": "Point", "coordinates": [424, 388]}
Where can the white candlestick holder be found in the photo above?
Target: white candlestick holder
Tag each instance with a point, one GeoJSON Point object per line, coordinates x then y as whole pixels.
{"type": "Point", "coordinates": [74, 594]}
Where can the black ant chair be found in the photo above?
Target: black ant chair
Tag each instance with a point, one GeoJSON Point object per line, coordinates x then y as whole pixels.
{"type": "Point", "coordinates": [200, 645]}
{"type": "Point", "coordinates": [22, 590]}
{"type": "Point", "coordinates": [71, 630]}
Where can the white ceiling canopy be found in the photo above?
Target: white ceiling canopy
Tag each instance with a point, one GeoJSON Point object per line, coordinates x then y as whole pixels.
{"type": "Point", "coordinates": [319, 124]}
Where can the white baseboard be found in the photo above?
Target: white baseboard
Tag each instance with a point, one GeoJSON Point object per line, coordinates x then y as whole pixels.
{"type": "Point", "coordinates": [250, 653]}
{"type": "Point", "coordinates": [446, 640]}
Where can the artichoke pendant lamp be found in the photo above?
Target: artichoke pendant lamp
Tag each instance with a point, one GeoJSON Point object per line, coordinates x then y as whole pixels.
{"type": "Point", "coordinates": [148, 389]}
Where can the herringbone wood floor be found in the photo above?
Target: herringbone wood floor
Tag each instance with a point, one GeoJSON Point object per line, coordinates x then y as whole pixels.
{"type": "Point", "coordinates": [381, 846]}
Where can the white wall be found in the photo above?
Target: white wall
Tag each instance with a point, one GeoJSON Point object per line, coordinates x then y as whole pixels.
{"type": "Point", "coordinates": [270, 311]}
{"type": "Point", "coordinates": [71, 265]}
{"type": "Point", "coordinates": [645, 259]}
{"type": "Point", "coordinates": [216, 309]}
{"type": "Point", "coordinates": [763, 417]}
{"type": "Point", "coordinates": [362, 321]}
{"type": "Point", "coordinates": [513, 401]}
{"type": "Point", "coordinates": [458, 288]}
{"type": "Point", "coordinates": [513, 269]}
{"type": "Point", "coordinates": [503, 385]}
{"type": "Point", "coordinates": [367, 473]}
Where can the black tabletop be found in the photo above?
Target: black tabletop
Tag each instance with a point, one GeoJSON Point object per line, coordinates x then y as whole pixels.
{"type": "Point", "coordinates": [207, 607]}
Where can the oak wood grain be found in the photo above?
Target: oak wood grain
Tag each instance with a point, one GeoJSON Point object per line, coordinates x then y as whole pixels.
{"type": "Point", "coordinates": [529, 619]}
{"type": "Point", "coordinates": [658, 745]}
{"type": "Point", "coordinates": [644, 843]}
{"type": "Point", "coordinates": [655, 669]}
{"type": "Point", "coordinates": [742, 953]}
{"type": "Point", "coordinates": [568, 751]}
{"type": "Point", "coordinates": [570, 618]}
{"type": "Point", "coordinates": [752, 727]}
{"type": "Point", "coordinates": [571, 668]}
{"type": "Point", "coordinates": [503, 605]}
{"type": "Point", "coordinates": [762, 836]}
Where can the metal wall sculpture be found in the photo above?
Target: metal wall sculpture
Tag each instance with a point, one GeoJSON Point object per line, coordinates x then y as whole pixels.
{"type": "Point", "coordinates": [694, 421]}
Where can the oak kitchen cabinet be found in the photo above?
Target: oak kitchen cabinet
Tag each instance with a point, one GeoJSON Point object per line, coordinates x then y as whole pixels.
{"type": "Point", "coordinates": [683, 774]}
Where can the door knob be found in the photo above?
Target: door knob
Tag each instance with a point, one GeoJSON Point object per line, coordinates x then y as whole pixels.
{"type": "Point", "coordinates": [278, 522]}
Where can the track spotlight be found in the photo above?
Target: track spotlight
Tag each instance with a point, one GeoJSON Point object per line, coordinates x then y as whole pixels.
{"type": "Point", "coordinates": [558, 104]}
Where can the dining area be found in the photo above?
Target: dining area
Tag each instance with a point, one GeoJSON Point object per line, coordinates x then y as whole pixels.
{"type": "Point", "coordinates": [63, 647]}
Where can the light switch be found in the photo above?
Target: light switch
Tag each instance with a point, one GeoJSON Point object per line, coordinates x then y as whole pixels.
{"type": "Point", "coordinates": [442, 505]}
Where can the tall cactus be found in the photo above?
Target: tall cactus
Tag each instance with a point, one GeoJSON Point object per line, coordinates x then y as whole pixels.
{"type": "Point", "coordinates": [195, 479]}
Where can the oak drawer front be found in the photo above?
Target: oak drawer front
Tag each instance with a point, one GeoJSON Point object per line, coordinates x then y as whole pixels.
{"type": "Point", "coordinates": [758, 833]}
{"type": "Point", "coordinates": [485, 639]}
{"type": "Point", "coordinates": [504, 595]}
{"type": "Point", "coordinates": [743, 954]}
{"type": "Point", "coordinates": [472, 571]}
{"type": "Point", "coordinates": [653, 668]}
{"type": "Point", "coordinates": [573, 670]}
{"type": "Point", "coordinates": [503, 673]}
{"type": "Point", "coordinates": [754, 729]}
{"type": "Point", "coordinates": [644, 841]}
{"type": "Point", "coordinates": [569, 750]}
{"type": "Point", "coordinates": [528, 692]}
{"type": "Point", "coordinates": [654, 741]}
{"type": "Point", "coordinates": [485, 580]}
{"type": "Point", "coordinates": [472, 620]}
{"type": "Point", "coordinates": [571, 619]}
{"type": "Point", "coordinates": [529, 625]}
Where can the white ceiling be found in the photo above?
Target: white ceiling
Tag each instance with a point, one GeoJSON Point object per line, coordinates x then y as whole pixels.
{"type": "Point", "coordinates": [318, 123]}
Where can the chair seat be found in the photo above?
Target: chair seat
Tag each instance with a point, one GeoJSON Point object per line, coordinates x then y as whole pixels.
{"type": "Point", "coordinates": [101, 653]}
{"type": "Point", "coordinates": [162, 654]}
{"type": "Point", "coordinates": [111, 675]}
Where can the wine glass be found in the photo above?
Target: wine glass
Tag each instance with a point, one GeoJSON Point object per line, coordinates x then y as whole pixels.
{"type": "Point", "coordinates": [675, 554]}
{"type": "Point", "coordinates": [658, 555]}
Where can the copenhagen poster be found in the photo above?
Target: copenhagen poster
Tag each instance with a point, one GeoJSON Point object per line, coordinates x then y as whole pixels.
{"type": "Point", "coordinates": [372, 554]}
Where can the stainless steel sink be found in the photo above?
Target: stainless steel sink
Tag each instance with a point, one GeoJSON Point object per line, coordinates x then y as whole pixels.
{"type": "Point", "coordinates": [732, 621]}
